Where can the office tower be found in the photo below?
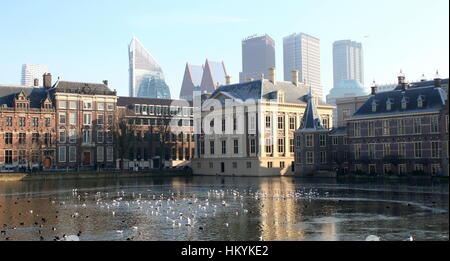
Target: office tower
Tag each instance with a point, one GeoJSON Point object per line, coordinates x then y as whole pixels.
{"type": "Point", "coordinates": [348, 61]}
{"type": "Point", "coordinates": [146, 76]}
{"type": "Point", "coordinates": [302, 53]}
{"type": "Point", "coordinates": [31, 72]}
{"type": "Point", "coordinates": [258, 56]}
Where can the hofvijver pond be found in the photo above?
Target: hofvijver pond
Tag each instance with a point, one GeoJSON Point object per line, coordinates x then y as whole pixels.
{"type": "Point", "coordinates": [228, 209]}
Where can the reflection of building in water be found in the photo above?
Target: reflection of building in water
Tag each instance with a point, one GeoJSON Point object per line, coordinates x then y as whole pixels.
{"type": "Point", "coordinates": [279, 211]}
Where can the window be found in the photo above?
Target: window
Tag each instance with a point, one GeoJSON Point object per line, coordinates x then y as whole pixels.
{"type": "Point", "coordinates": [35, 122]}
{"type": "Point", "coordinates": [249, 165]}
{"type": "Point", "coordinates": [389, 105]}
{"type": "Point", "coordinates": [357, 148]}
{"type": "Point", "coordinates": [291, 146]}
{"type": "Point", "coordinates": [322, 140]}
{"type": "Point", "coordinates": [211, 147]}
{"type": "Point", "coordinates": [386, 127]}
{"type": "Point", "coordinates": [435, 124]}
{"type": "Point", "coordinates": [309, 140]}
{"type": "Point", "coordinates": [401, 126]}
{"type": "Point", "coordinates": [435, 169]}
{"type": "Point", "coordinates": [35, 138]}
{"type": "Point", "coordinates": [211, 165]}
{"type": "Point", "coordinates": [346, 114]}
{"type": "Point", "coordinates": [404, 103]}
{"type": "Point", "coordinates": [110, 119]}
{"type": "Point", "coordinates": [62, 154]}
{"type": "Point", "coordinates": [47, 138]}
{"type": "Point", "coordinates": [62, 105]}
{"type": "Point", "coordinates": [420, 101]}
{"type": "Point", "coordinates": [357, 127]}
{"type": "Point", "coordinates": [402, 150]}
{"type": "Point", "coordinates": [202, 148]}
{"type": "Point", "coordinates": [269, 165]}
{"type": "Point", "coordinates": [325, 123]}
{"type": "Point", "coordinates": [87, 136]}
{"type": "Point", "coordinates": [252, 123]}
{"type": "Point", "coordinates": [8, 157]}
{"type": "Point", "coordinates": [299, 141]}
{"type": "Point", "coordinates": [62, 118]}
{"type": "Point", "coordinates": [418, 167]}
{"type": "Point", "coordinates": [402, 169]}
{"type": "Point", "coordinates": [335, 141]}
{"type": "Point", "coordinates": [8, 138]}
{"type": "Point", "coordinates": [100, 154]}
{"type": "Point", "coordinates": [387, 169]}
{"type": "Point", "coordinates": [236, 146]}
{"type": "Point", "coordinates": [109, 136]}
{"type": "Point", "coordinates": [73, 118]}
{"type": "Point", "coordinates": [372, 153]}
{"type": "Point", "coordinates": [374, 106]}
{"type": "Point", "coordinates": [309, 157]}
{"type": "Point", "coordinates": [22, 156]}
{"type": "Point", "coordinates": [386, 150]}
{"type": "Point", "coordinates": [291, 123]}
{"type": "Point", "coordinates": [269, 146]}
{"type": "Point", "coordinates": [8, 121]}
{"type": "Point", "coordinates": [73, 105]}
{"type": "Point", "coordinates": [72, 154]}
{"type": "Point", "coordinates": [299, 157]}
{"type": "Point", "coordinates": [87, 120]}
{"type": "Point", "coordinates": [72, 135]}
{"type": "Point", "coordinates": [323, 157]}
{"type": "Point", "coordinates": [235, 123]}
{"type": "Point", "coordinates": [100, 119]}
{"type": "Point", "coordinates": [235, 165]}
{"type": "Point", "coordinates": [371, 128]}
{"type": "Point", "coordinates": [435, 149]}
{"type": "Point", "coordinates": [224, 147]}
{"type": "Point", "coordinates": [100, 106]}
{"type": "Point", "coordinates": [87, 105]}
{"type": "Point", "coordinates": [100, 136]}
{"type": "Point", "coordinates": [48, 122]}
{"type": "Point", "coordinates": [109, 154]}
{"type": "Point", "coordinates": [280, 145]}
{"type": "Point", "coordinates": [268, 121]}
{"type": "Point", "coordinates": [110, 107]}
{"type": "Point", "coordinates": [22, 122]}
{"type": "Point", "coordinates": [252, 146]}
{"type": "Point", "coordinates": [62, 135]}
{"type": "Point", "coordinates": [282, 164]}
{"type": "Point", "coordinates": [417, 125]}
{"type": "Point", "coordinates": [281, 123]}
{"type": "Point", "coordinates": [418, 149]}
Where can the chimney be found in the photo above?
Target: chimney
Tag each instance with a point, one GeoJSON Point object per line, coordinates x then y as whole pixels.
{"type": "Point", "coordinates": [36, 83]}
{"type": "Point", "coordinates": [105, 82]}
{"type": "Point", "coordinates": [228, 79]}
{"type": "Point", "coordinates": [272, 74]}
{"type": "Point", "coordinates": [295, 77]}
{"type": "Point", "coordinates": [401, 78]}
{"type": "Point", "coordinates": [47, 80]}
{"type": "Point", "coordinates": [374, 89]}
{"type": "Point", "coordinates": [437, 80]}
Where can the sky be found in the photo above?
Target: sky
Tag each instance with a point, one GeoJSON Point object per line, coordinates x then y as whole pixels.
{"type": "Point", "coordinates": [87, 40]}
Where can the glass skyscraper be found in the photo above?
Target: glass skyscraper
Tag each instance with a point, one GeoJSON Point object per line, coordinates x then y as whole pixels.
{"type": "Point", "coordinates": [348, 61]}
{"type": "Point", "coordinates": [258, 56]}
{"type": "Point", "coordinates": [146, 76]}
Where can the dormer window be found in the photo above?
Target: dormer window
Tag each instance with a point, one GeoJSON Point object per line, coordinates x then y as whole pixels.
{"type": "Point", "coordinates": [374, 106]}
{"type": "Point", "coordinates": [404, 103]}
{"type": "Point", "coordinates": [389, 105]}
{"type": "Point", "coordinates": [420, 101]}
{"type": "Point", "coordinates": [280, 97]}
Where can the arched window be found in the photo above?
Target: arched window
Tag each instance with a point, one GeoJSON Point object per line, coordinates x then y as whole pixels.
{"type": "Point", "coordinates": [420, 101]}
{"type": "Point", "coordinates": [389, 105]}
{"type": "Point", "coordinates": [404, 103]}
{"type": "Point", "coordinates": [374, 106]}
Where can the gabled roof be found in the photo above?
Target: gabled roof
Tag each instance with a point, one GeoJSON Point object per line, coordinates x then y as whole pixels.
{"type": "Point", "coordinates": [82, 88]}
{"type": "Point", "coordinates": [191, 81]}
{"type": "Point", "coordinates": [311, 119]}
{"type": "Point", "coordinates": [434, 100]}
{"type": "Point", "coordinates": [214, 74]}
{"type": "Point", "coordinates": [9, 93]}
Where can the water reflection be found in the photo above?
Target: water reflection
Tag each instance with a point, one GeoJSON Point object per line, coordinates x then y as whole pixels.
{"type": "Point", "coordinates": [216, 208]}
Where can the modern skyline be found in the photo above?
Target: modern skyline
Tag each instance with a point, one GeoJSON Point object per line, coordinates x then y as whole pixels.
{"type": "Point", "coordinates": [348, 61]}
{"type": "Point", "coordinates": [258, 56]}
{"type": "Point", "coordinates": [302, 52]}
{"type": "Point", "coordinates": [146, 76]}
{"type": "Point", "coordinates": [92, 49]}
{"type": "Point", "coordinates": [30, 72]}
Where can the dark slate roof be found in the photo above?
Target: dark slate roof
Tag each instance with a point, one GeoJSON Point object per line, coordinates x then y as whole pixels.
{"type": "Point", "coordinates": [127, 101]}
{"type": "Point", "coordinates": [434, 100]}
{"type": "Point", "coordinates": [338, 131]}
{"type": "Point", "coordinates": [36, 95]}
{"type": "Point", "coordinates": [82, 88]}
{"type": "Point", "coordinates": [265, 90]}
{"type": "Point", "coordinates": [423, 84]}
{"type": "Point", "coordinates": [311, 119]}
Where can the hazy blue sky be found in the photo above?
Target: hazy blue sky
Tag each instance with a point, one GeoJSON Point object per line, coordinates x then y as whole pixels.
{"type": "Point", "coordinates": [86, 40]}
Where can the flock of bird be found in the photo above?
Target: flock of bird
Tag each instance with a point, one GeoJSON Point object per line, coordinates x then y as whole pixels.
{"type": "Point", "coordinates": [173, 210]}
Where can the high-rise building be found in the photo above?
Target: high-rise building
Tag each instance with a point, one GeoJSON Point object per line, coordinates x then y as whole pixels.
{"type": "Point", "coordinates": [302, 53]}
{"type": "Point", "coordinates": [146, 76]}
{"type": "Point", "coordinates": [32, 72]}
{"type": "Point", "coordinates": [258, 56]}
{"type": "Point", "coordinates": [348, 61]}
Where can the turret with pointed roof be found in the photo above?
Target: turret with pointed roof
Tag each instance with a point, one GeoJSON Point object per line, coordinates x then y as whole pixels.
{"type": "Point", "coordinates": [311, 119]}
